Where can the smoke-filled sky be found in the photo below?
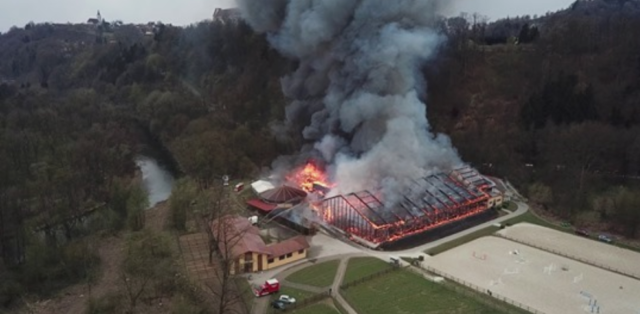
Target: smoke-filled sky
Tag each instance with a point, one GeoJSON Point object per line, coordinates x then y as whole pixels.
{"type": "Point", "coordinates": [184, 12]}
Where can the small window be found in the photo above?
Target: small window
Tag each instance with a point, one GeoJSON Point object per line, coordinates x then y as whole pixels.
{"type": "Point", "coordinates": [270, 260]}
{"type": "Point", "coordinates": [301, 251]}
{"type": "Point", "coordinates": [290, 254]}
{"type": "Point", "coordinates": [281, 257]}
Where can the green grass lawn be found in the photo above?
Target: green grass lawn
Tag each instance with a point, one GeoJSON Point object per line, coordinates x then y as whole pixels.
{"type": "Point", "coordinates": [360, 267]}
{"type": "Point", "coordinates": [460, 241]}
{"type": "Point", "coordinates": [316, 308]}
{"type": "Point", "coordinates": [512, 206]}
{"type": "Point", "coordinates": [408, 293]}
{"type": "Point", "coordinates": [533, 219]}
{"type": "Point", "coordinates": [298, 294]}
{"type": "Point", "coordinates": [319, 275]}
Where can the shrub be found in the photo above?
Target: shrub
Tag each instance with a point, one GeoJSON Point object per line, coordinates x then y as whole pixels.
{"type": "Point", "coordinates": [137, 202]}
{"type": "Point", "coordinates": [106, 220]}
{"type": "Point", "coordinates": [184, 192]}
{"type": "Point", "coordinates": [10, 290]}
{"type": "Point", "coordinates": [49, 266]}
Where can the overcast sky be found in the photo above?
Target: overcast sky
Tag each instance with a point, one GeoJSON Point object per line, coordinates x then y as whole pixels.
{"type": "Point", "coordinates": [184, 12]}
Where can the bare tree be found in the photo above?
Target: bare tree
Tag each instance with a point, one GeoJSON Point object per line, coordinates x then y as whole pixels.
{"type": "Point", "coordinates": [134, 286]}
{"type": "Point", "coordinates": [148, 263]}
{"type": "Point", "coordinates": [225, 231]}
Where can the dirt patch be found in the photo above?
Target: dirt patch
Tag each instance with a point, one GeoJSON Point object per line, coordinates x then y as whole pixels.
{"type": "Point", "coordinates": [195, 255]}
{"type": "Point", "coordinates": [156, 217]}
{"type": "Point", "coordinates": [73, 300]}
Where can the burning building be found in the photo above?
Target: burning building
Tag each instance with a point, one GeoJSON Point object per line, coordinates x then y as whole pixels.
{"type": "Point", "coordinates": [429, 202]}
{"type": "Point", "coordinates": [358, 100]}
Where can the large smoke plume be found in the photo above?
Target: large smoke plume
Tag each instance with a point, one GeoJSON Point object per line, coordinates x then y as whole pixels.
{"type": "Point", "coordinates": [358, 91]}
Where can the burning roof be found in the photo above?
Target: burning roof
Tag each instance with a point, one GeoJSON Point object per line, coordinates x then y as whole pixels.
{"type": "Point", "coordinates": [283, 194]}
{"type": "Point", "coordinates": [428, 202]}
{"type": "Point", "coordinates": [309, 177]}
{"type": "Point", "coordinates": [432, 202]}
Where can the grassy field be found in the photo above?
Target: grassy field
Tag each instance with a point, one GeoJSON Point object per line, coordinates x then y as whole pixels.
{"type": "Point", "coordinates": [317, 308]}
{"type": "Point", "coordinates": [470, 237]}
{"type": "Point", "coordinates": [319, 275]}
{"type": "Point", "coordinates": [512, 206]}
{"type": "Point", "coordinates": [298, 294]}
{"type": "Point", "coordinates": [407, 293]}
{"type": "Point", "coordinates": [360, 267]}
{"type": "Point", "coordinates": [533, 219]}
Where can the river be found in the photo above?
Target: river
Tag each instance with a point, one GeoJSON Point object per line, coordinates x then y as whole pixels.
{"type": "Point", "coordinates": [157, 180]}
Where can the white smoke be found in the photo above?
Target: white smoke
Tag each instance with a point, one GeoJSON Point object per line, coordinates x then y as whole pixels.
{"type": "Point", "coordinates": [357, 92]}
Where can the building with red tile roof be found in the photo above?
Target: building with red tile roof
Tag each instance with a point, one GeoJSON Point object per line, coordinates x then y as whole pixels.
{"type": "Point", "coordinates": [240, 241]}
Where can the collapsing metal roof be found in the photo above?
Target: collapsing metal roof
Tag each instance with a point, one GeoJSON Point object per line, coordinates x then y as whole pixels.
{"type": "Point", "coordinates": [428, 202]}
{"type": "Point", "coordinates": [434, 193]}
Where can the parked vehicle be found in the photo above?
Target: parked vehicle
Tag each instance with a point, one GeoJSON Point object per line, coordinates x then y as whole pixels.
{"type": "Point", "coordinates": [582, 232]}
{"type": "Point", "coordinates": [270, 286]}
{"type": "Point", "coordinates": [605, 238]}
{"type": "Point", "coordinates": [278, 305]}
{"type": "Point", "coordinates": [287, 299]}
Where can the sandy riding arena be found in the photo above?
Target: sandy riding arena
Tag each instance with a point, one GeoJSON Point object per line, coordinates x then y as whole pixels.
{"type": "Point", "coordinates": [543, 281]}
{"type": "Point", "coordinates": [588, 250]}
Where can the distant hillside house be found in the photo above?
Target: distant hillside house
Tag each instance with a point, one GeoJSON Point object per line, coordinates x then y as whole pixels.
{"type": "Point", "coordinates": [226, 15]}
{"type": "Point", "coordinates": [240, 241]}
{"type": "Point", "coordinates": [98, 20]}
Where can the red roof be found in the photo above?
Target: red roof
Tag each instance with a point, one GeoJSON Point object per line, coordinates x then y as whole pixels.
{"type": "Point", "coordinates": [289, 246]}
{"type": "Point", "coordinates": [283, 194]}
{"type": "Point", "coordinates": [236, 236]}
{"type": "Point", "coordinates": [259, 204]}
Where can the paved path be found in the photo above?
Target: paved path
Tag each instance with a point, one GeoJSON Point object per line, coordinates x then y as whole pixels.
{"type": "Point", "coordinates": [261, 305]}
{"type": "Point", "coordinates": [335, 289]}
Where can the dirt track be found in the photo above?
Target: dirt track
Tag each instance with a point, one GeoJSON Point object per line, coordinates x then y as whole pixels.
{"type": "Point", "coordinates": [588, 250]}
{"type": "Point", "coordinates": [543, 281]}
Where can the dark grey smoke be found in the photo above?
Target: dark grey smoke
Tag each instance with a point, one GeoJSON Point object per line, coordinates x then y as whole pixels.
{"type": "Point", "coordinates": [357, 92]}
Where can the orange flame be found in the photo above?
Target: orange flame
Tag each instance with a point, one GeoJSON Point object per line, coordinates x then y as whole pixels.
{"type": "Point", "coordinates": [308, 176]}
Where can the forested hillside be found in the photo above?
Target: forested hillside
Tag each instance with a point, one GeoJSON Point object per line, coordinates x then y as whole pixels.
{"type": "Point", "coordinates": [79, 102]}
{"type": "Point", "coordinates": [551, 103]}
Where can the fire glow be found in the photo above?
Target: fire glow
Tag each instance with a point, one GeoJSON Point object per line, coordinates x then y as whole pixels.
{"type": "Point", "coordinates": [310, 178]}
{"type": "Point", "coordinates": [434, 201]}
